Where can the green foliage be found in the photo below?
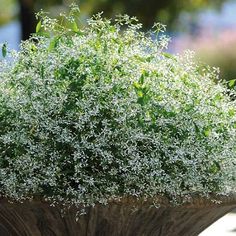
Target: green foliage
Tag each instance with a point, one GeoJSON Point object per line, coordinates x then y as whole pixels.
{"type": "Point", "coordinates": [93, 114]}
{"type": "Point", "coordinates": [38, 26]}
{"type": "Point", "coordinates": [4, 50]}
{"type": "Point", "coordinates": [8, 11]}
{"type": "Point", "coordinates": [166, 11]}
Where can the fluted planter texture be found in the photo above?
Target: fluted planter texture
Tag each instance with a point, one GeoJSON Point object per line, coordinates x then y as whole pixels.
{"type": "Point", "coordinates": [128, 217]}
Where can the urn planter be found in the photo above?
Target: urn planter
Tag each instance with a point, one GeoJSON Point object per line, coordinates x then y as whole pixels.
{"type": "Point", "coordinates": [127, 217]}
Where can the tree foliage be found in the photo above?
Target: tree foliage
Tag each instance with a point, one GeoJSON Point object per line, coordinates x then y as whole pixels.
{"type": "Point", "coordinates": [7, 11]}
{"type": "Point", "coordinates": [165, 11]}
{"type": "Point", "coordinates": [150, 11]}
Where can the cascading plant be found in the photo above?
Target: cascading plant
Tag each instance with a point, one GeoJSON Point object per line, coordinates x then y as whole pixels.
{"type": "Point", "coordinates": [101, 112]}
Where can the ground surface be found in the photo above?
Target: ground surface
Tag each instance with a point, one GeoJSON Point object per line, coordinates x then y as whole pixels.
{"type": "Point", "coordinates": [226, 226]}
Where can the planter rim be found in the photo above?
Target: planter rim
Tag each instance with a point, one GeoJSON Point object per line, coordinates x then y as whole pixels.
{"type": "Point", "coordinates": [194, 201]}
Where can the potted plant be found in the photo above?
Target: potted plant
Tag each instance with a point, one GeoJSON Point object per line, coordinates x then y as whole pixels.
{"type": "Point", "coordinates": [104, 133]}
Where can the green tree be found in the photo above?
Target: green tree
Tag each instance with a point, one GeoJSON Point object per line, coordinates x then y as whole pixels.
{"type": "Point", "coordinates": [165, 11]}
{"type": "Point", "coordinates": [7, 11]}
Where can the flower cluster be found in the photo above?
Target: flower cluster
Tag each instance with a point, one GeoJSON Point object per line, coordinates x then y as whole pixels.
{"type": "Point", "coordinates": [102, 112]}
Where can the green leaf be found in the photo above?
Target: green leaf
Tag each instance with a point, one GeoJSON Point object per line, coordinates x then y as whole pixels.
{"type": "Point", "coordinates": [141, 79]}
{"type": "Point", "coordinates": [168, 55]}
{"type": "Point", "coordinates": [33, 48]}
{"type": "Point", "coordinates": [4, 50]}
{"type": "Point", "coordinates": [75, 27]}
{"type": "Point", "coordinates": [231, 83]}
{"type": "Point", "coordinates": [38, 26]}
{"type": "Point", "coordinates": [207, 132]}
{"type": "Point", "coordinates": [215, 167]}
{"type": "Point", "coordinates": [44, 34]}
{"type": "Point", "coordinates": [53, 43]}
{"type": "Point", "coordinates": [231, 112]}
{"type": "Point", "coordinates": [140, 94]}
{"type": "Point", "coordinates": [137, 85]}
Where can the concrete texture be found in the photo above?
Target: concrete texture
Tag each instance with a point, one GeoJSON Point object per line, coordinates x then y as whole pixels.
{"type": "Point", "coordinates": [226, 226]}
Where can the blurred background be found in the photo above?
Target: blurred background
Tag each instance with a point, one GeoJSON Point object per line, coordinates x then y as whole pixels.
{"type": "Point", "coordinates": [205, 26]}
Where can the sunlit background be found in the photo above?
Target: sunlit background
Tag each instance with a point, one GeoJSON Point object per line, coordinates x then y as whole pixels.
{"type": "Point", "coordinates": [205, 26]}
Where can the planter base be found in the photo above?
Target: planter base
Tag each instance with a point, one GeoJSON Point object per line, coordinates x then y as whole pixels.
{"type": "Point", "coordinates": [37, 218]}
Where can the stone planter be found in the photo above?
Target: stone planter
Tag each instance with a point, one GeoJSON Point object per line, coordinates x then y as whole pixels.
{"type": "Point", "coordinates": [124, 218]}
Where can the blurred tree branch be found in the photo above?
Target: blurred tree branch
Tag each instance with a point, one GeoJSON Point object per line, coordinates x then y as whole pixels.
{"type": "Point", "coordinates": [27, 17]}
